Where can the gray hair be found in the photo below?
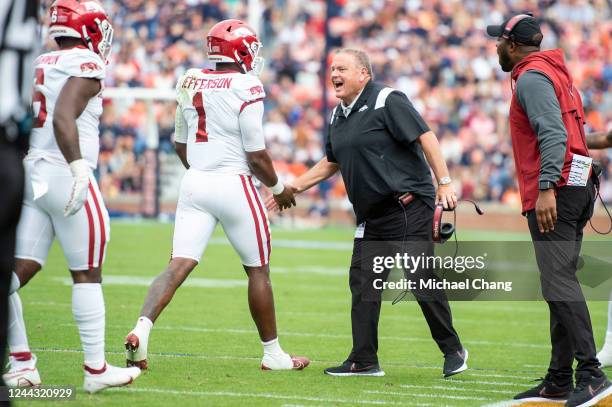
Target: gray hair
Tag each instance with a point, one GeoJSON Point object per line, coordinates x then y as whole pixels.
{"type": "Point", "coordinates": [363, 60]}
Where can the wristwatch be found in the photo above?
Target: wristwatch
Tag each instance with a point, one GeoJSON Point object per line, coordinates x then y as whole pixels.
{"type": "Point", "coordinates": [544, 185]}
{"type": "Point", "coordinates": [444, 181]}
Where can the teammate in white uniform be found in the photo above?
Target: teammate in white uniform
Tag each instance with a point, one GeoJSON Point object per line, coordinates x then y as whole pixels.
{"type": "Point", "coordinates": [61, 196]}
{"type": "Point", "coordinates": [219, 139]}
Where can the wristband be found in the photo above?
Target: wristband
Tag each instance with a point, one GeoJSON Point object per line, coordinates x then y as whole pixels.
{"type": "Point", "coordinates": [546, 185]}
{"type": "Point", "coordinates": [278, 188]}
{"type": "Point", "coordinates": [79, 169]}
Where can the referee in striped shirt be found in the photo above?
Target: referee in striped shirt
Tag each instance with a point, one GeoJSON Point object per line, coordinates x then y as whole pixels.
{"type": "Point", "coordinates": [18, 42]}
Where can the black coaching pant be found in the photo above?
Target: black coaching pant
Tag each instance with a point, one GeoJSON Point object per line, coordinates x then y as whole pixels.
{"type": "Point", "coordinates": [11, 196]}
{"type": "Point", "coordinates": [557, 254]}
{"type": "Point", "coordinates": [412, 223]}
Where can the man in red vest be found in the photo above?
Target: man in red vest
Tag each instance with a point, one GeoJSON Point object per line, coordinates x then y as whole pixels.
{"type": "Point", "coordinates": [557, 193]}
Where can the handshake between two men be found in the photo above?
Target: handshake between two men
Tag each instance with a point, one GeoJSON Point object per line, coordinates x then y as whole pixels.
{"type": "Point", "coordinates": [283, 200]}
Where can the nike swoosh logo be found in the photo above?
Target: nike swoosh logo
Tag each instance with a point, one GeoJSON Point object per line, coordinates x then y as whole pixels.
{"type": "Point", "coordinates": [355, 369]}
{"type": "Point", "coordinates": [593, 391]}
{"type": "Point", "coordinates": [543, 393]}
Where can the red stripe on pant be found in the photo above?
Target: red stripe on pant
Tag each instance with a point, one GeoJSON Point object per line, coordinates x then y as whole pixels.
{"type": "Point", "coordinates": [257, 231]}
{"type": "Point", "coordinates": [101, 222]}
{"type": "Point", "coordinates": [264, 219]}
{"type": "Point", "coordinates": [92, 233]}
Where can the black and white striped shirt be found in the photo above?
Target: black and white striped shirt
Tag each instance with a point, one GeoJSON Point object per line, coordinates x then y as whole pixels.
{"type": "Point", "coordinates": [19, 41]}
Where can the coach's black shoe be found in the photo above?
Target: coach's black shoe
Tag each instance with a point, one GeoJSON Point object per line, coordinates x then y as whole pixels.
{"type": "Point", "coordinates": [349, 368]}
{"type": "Point", "coordinates": [589, 390]}
{"type": "Point", "coordinates": [455, 362]}
{"type": "Point", "coordinates": [547, 390]}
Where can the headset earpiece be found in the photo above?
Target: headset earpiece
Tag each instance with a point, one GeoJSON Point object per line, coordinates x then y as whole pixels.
{"type": "Point", "coordinates": [512, 23]}
{"type": "Point", "coordinates": [441, 231]}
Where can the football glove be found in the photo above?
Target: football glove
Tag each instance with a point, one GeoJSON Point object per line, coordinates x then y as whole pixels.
{"type": "Point", "coordinates": [80, 172]}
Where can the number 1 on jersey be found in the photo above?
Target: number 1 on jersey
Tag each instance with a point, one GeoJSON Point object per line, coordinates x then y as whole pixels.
{"type": "Point", "coordinates": [198, 103]}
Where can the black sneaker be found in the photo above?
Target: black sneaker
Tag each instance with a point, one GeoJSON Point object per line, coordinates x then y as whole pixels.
{"type": "Point", "coordinates": [349, 368]}
{"type": "Point", "coordinates": [547, 390]}
{"type": "Point", "coordinates": [589, 390]}
{"type": "Point", "coordinates": [455, 362]}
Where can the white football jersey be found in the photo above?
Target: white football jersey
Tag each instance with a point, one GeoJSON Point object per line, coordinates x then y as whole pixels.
{"type": "Point", "coordinates": [209, 108]}
{"type": "Point", "coordinates": [52, 70]}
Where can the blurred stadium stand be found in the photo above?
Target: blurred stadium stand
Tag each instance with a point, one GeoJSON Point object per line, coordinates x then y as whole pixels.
{"type": "Point", "coordinates": [434, 51]}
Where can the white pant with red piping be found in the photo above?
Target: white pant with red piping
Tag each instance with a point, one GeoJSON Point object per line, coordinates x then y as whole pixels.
{"type": "Point", "coordinates": [83, 236]}
{"type": "Point", "coordinates": [207, 198]}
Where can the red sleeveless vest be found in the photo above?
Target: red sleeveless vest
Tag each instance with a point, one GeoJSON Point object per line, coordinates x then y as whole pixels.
{"type": "Point", "coordinates": [524, 139]}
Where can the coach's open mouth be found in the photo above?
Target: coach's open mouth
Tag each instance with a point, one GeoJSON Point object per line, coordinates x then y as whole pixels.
{"type": "Point", "coordinates": [338, 84]}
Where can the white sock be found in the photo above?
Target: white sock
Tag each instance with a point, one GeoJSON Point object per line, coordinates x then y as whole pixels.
{"type": "Point", "coordinates": [15, 283]}
{"type": "Point", "coordinates": [17, 337]}
{"type": "Point", "coordinates": [88, 312]}
{"type": "Point", "coordinates": [143, 328]}
{"type": "Point", "coordinates": [272, 347]}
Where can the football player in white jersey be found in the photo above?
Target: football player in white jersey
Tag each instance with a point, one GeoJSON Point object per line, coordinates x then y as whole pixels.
{"type": "Point", "coordinates": [61, 195]}
{"type": "Point", "coordinates": [219, 139]}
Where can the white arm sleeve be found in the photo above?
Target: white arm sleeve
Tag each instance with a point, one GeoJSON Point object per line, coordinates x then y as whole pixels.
{"type": "Point", "coordinates": [251, 127]}
{"type": "Point", "coordinates": [180, 126]}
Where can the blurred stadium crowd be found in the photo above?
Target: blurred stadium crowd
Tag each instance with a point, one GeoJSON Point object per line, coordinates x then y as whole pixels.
{"type": "Point", "coordinates": [435, 51]}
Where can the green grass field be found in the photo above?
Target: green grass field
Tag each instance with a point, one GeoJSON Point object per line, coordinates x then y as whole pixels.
{"type": "Point", "coordinates": [204, 349]}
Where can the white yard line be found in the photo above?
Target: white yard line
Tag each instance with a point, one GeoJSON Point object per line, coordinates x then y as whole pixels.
{"type": "Point", "coordinates": [416, 318]}
{"type": "Point", "coordinates": [297, 244]}
{"type": "Point", "coordinates": [156, 354]}
{"type": "Point", "coordinates": [321, 270]}
{"type": "Point", "coordinates": [315, 314]}
{"type": "Point", "coordinates": [453, 388]}
{"type": "Point", "coordinates": [485, 382]}
{"type": "Point", "coordinates": [428, 396]}
{"type": "Point", "coordinates": [146, 281]}
{"type": "Point", "coordinates": [48, 304]}
{"type": "Point", "coordinates": [504, 376]}
{"type": "Point", "coordinates": [406, 338]}
{"type": "Point", "coordinates": [248, 395]}
{"type": "Point", "coordinates": [252, 358]}
{"type": "Point", "coordinates": [513, 403]}
{"type": "Point", "coordinates": [517, 403]}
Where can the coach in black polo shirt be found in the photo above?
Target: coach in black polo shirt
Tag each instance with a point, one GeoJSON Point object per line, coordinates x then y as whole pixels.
{"type": "Point", "coordinates": [380, 144]}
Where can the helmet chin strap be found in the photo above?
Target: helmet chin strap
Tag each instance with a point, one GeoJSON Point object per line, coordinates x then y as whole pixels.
{"type": "Point", "coordinates": [257, 64]}
{"type": "Point", "coordinates": [87, 39]}
{"type": "Point", "coordinates": [240, 62]}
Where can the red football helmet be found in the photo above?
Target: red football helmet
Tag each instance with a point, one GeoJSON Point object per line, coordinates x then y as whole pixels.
{"type": "Point", "coordinates": [86, 20]}
{"type": "Point", "coordinates": [235, 41]}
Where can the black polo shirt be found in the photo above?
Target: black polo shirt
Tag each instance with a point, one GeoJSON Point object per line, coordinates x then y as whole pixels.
{"type": "Point", "coordinates": [376, 150]}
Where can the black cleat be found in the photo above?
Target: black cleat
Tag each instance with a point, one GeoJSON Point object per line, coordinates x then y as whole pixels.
{"type": "Point", "coordinates": [547, 390]}
{"type": "Point", "coordinates": [349, 368]}
{"type": "Point", "coordinates": [455, 362]}
{"type": "Point", "coordinates": [589, 390]}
